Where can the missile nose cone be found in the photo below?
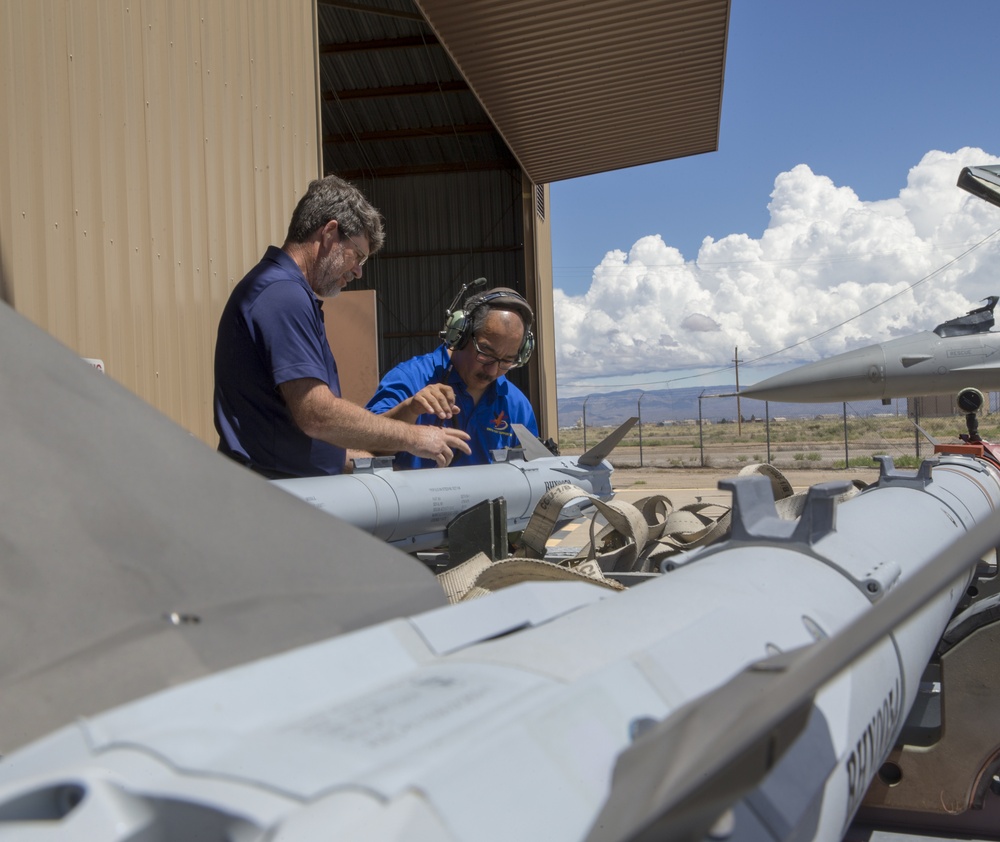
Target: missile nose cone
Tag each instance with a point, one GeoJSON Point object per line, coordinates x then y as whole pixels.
{"type": "Point", "coordinates": [855, 375]}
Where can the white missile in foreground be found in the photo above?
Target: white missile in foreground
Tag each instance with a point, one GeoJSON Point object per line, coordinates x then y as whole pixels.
{"type": "Point", "coordinates": [412, 509]}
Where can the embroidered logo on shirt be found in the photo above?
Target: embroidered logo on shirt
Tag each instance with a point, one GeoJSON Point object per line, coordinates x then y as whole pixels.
{"type": "Point", "coordinates": [499, 423]}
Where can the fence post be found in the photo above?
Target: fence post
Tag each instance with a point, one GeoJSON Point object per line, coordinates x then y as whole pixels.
{"type": "Point", "coordinates": [701, 435]}
{"type": "Point", "coordinates": [847, 451]}
{"type": "Point", "coordinates": [767, 428]}
{"type": "Point", "coordinates": [916, 427]}
{"type": "Point", "coordinates": [640, 427]}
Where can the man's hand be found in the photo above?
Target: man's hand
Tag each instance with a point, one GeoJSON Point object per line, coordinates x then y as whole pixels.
{"type": "Point", "coordinates": [435, 399]}
{"type": "Point", "coordinates": [322, 415]}
{"type": "Point", "coordinates": [439, 444]}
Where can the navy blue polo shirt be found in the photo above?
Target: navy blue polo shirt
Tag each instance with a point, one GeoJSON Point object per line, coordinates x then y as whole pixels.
{"type": "Point", "coordinates": [272, 331]}
{"type": "Point", "coordinates": [488, 422]}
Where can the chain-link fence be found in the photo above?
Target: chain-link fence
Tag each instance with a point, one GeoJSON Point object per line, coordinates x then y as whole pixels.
{"type": "Point", "coordinates": [729, 432]}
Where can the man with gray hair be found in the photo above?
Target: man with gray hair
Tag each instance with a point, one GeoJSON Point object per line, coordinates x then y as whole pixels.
{"type": "Point", "coordinates": [277, 400]}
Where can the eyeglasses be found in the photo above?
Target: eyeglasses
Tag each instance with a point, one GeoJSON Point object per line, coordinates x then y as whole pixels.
{"type": "Point", "coordinates": [489, 359]}
{"type": "Point", "coordinates": [360, 254]}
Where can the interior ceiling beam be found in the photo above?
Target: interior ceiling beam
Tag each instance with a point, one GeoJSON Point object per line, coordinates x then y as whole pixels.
{"type": "Point", "coordinates": [428, 40]}
{"type": "Point", "coordinates": [414, 133]}
{"type": "Point", "coordinates": [373, 10]}
{"type": "Point", "coordinates": [396, 90]}
{"type": "Point", "coordinates": [426, 169]}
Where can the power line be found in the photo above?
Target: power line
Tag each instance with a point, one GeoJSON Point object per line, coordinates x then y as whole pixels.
{"type": "Point", "coordinates": [822, 333]}
{"type": "Point", "coordinates": [911, 287]}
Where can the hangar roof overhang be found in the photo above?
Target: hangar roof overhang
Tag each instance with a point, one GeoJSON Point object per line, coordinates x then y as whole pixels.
{"type": "Point", "coordinates": [557, 88]}
{"type": "Point", "coordinates": [577, 87]}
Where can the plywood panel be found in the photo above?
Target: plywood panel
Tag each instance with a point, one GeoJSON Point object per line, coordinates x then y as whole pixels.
{"type": "Point", "coordinates": [351, 319]}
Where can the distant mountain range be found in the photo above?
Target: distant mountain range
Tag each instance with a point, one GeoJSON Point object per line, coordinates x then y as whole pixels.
{"type": "Point", "coordinates": [680, 405]}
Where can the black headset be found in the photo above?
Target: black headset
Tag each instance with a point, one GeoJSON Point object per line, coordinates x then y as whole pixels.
{"type": "Point", "coordinates": [458, 319]}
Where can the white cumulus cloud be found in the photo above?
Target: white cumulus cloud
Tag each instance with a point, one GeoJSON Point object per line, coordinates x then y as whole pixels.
{"type": "Point", "coordinates": [825, 258]}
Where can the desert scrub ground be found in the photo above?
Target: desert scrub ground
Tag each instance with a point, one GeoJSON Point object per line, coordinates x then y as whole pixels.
{"type": "Point", "coordinates": [790, 444]}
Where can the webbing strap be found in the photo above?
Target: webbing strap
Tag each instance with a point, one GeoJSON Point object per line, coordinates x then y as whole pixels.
{"type": "Point", "coordinates": [635, 537]}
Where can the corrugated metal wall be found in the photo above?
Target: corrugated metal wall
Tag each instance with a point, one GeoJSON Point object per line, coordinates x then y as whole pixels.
{"type": "Point", "coordinates": [442, 231]}
{"type": "Point", "coordinates": [399, 120]}
{"type": "Point", "coordinates": [150, 151]}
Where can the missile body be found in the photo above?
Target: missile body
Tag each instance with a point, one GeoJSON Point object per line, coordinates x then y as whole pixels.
{"type": "Point", "coordinates": [922, 364]}
{"type": "Point", "coordinates": [411, 509]}
{"type": "Point", "coordinates": [511, 716]}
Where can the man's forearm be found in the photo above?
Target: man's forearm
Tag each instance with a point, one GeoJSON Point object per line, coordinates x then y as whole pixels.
{"type": "Point", "coordinates": [404, 411]}
{"type": "Point", "coordinates": [355, 428]}
{"type": "Point", "coordinates": [342, 423]}
{"type": "Point", "coordinates": [322, 415]}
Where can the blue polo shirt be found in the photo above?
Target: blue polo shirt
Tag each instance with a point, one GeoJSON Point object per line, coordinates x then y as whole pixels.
{"type": "Point", "coordinates": [272, 331]}
{"type": "Point", "coordinates": [488, 422]}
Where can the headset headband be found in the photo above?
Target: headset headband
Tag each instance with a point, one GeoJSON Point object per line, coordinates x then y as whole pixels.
{"type": "Point", "coordinates": [458, 322]}
{"type": "Point", "coordinates": [502, 298]}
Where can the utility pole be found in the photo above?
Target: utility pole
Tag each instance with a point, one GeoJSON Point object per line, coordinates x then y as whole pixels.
{"type": "Point", "coordinates": [739, 412]}
{"type": "Point", "coordinates": [639, 405]}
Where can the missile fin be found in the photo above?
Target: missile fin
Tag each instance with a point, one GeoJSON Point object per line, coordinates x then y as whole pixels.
{"type": "Point", "coordinates": [166, 540]}
{"type": "Point", "coordinates": [532, 447]}
{"type": "Point", "coordinates": [600, 451]}
{"type": "Point", "coordinates": [668, 785]}
{"type": "Point", "coordinates": [925, 434]}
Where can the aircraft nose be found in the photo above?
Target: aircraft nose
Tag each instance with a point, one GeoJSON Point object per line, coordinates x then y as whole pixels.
{"type": "Point", "coordinates": [855, 375]}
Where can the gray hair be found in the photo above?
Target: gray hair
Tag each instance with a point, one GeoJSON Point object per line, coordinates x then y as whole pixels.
{"type": "Point", "coordinates": [333, 198]}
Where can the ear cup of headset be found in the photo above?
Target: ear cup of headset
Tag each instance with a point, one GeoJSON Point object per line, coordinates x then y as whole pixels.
{"type": "Point", "coordinates": [455, 333]}
{"type": "Point", "coordinates": [527, 348]}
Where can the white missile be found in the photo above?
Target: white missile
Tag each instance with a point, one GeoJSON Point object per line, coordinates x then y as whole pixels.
{"type": "Point", "coordinates": [412, 509]}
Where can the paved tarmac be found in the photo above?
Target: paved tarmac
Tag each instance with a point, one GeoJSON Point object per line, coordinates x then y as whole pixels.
{"type": "Point", "coordinates": [689, 485]}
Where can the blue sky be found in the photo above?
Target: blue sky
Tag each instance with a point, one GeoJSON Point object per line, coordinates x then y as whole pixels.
{"type": "Point", "coordinates": [859, 93]}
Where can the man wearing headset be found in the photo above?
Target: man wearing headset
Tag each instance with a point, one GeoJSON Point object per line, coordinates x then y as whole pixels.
{"type": "Point", "coordinates": [462, 383]}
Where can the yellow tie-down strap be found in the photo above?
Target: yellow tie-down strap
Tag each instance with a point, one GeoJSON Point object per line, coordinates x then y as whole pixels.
{"type": "Point", "coordinates": [635, 537]}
